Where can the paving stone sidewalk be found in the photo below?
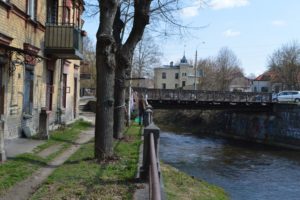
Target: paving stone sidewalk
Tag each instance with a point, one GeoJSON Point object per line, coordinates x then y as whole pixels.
{"type": "Point", "coordinates": [24, 189]}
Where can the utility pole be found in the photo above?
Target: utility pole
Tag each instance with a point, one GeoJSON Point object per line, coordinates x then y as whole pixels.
{"type": "Point", "coordinates": [195, 78]}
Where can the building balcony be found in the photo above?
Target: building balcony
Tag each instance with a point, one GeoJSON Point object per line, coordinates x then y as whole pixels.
{"type": "Point", "coordinates": [64, 41]}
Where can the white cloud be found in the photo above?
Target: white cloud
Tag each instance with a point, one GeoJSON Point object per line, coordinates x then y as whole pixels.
{"type": "Point", "coordinates": [191, 11]}
{"type": "Point", "coordinates": [223, 4]}
{"type": "Point", "coordinates": [278, 23]}
{"type": "Point", "coordinates": [231, 33]}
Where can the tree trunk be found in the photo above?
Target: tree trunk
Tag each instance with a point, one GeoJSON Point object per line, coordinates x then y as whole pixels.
{"type": "Point", "coordinates": [105, 63]}
{"type": "Point", "coordinates": [119, 112]}
{"type": "Point", "coordinates": [125, 53]}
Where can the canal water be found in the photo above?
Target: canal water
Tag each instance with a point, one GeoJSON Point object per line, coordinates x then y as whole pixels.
{"type": "Point", "coordinates": [246, 171]}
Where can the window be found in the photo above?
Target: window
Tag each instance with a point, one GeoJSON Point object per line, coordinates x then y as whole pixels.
{"type": "Point", "coordinates": [164, 75]}
{"type": "Point", "coordinates": [31, 9]}
{"type": "Point", "coordinates": [176, 76]}
{"type": "Point", "coordinates": [28, 90]}
{"type": "Point", "coordinates": [49, 90]}
{"type": "Point", "coordinates": [183, 74]}
{"type": "Point", "coordinates": [64, 94]}
{"type": "Point", "coordinates": [199, 73]}
{"type": "Point", "coordinates": [164, 86]}
{"type": "Point", "coordinates": [176, 85]}
{"type": "Point", "coordinates": [52, 11]}
{"type": "Point", "coordinates": [183, 83]}
{"type": "Point", "coordinates": [264, 89]}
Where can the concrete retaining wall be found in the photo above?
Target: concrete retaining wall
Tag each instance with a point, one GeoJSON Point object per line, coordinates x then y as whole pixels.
{"type": "Point", "coordinates": [280, 127]}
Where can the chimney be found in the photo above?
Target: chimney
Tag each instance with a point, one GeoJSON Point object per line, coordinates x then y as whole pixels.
{"type": "Point", "coordinates": [171, 64]}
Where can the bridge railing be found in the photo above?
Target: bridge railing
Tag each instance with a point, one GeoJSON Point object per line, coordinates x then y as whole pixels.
{"type": "Point", "coordinates": [150, 169]}
{"type": "Point", "coordinates": [202, 95]}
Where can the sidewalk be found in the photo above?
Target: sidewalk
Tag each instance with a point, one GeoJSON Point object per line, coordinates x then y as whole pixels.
{"type": "Point", "coordinates": [17, 146]}
{"type": "Point", "coordinates": [24, 189]}
{"type": "Point", "coordinates": [14, 147]}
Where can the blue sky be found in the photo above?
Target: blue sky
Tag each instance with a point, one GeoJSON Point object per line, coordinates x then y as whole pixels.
{"type": "Point", "coordinates": [253, 29]}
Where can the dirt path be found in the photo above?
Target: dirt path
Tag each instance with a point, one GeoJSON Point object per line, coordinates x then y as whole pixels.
{"type": "Point", "coordinates": [24, 189]}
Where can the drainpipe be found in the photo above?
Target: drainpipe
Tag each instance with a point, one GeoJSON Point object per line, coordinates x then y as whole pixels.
{"type": "Point", "coordinates": [59, 111]}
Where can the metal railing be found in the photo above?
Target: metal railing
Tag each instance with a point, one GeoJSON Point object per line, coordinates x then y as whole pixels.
{"type": "Point", "coordinates": [150, 169]}
{"type": "Point", "coordinates": [154, 182]}
{"type": "Point", "coordinates": [202, 95]}
{"type": "Point", "coordinates": [66, 36]}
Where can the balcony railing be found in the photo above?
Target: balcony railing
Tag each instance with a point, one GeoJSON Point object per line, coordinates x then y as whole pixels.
{"type": "Point", "coordinates": [63, 41]}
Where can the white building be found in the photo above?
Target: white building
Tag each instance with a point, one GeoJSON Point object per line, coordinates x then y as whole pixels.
{"type": "Point", "coordinates": [172, 76]}
{"type": "Point", "coordinates": [266, 82]}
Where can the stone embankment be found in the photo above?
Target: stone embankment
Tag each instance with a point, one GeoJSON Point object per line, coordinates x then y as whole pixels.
{"type": "Point", "coordinates": [280, 127]}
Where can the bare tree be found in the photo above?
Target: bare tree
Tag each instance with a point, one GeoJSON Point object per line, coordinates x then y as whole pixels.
{"type": "Point", "coordinates": [227, 66]}
{"type": "Point", "coordinates": [106, 65]}
{"type": "Point", "coordinates": [218, 73]}
{"type": "Point", "coordinates": [89, 54]}
{"type": "Point", "coordinates": [208, 68]}
{"type": "Point", "coordinates": [146, 56]}
{"type": "Point", "coordinates": [285, 63]}
{"type": "Point", "coordinates": [131, 20]}
{"type": "Point", "coordinates": [122, 25]}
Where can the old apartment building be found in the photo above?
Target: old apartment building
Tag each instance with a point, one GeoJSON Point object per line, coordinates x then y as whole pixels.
{"type": "Point", "coordinates": [40, 53]}
{"type": "Point", "coordinates": [173, 76]}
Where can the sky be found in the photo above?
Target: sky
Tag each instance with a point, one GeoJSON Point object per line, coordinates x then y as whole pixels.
{"type": "Point", "coordinates": [252, 29]}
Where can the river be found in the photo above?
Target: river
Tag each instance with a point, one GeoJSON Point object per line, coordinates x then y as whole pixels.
{"type": "Point", "coordinates": [246, 171]}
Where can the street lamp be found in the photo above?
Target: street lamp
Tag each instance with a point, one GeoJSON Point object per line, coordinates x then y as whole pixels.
{"type": "Point", "coordinates": [196, 56]}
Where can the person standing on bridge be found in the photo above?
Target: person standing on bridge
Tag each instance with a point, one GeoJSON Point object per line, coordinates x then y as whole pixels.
{"type": "Point", "coordinates": [141, 107]}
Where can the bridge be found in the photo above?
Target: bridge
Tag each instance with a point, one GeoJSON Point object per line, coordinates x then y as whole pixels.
{"type": "Point", "coordinates": [207, 100]}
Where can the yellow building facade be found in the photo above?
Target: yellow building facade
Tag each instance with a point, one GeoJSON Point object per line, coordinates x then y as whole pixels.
{"type": "Point", "coordinates": [40, 53]}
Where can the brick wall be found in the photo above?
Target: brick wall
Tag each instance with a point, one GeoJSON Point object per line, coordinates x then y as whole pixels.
{"type": "Point", "coordinates": [22, 31]}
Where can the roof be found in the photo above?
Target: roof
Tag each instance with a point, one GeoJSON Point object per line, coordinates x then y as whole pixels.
{"type": "Point", "coordinates": [267, 76]}
{"type": "Point", "coordinates": [183, 60]}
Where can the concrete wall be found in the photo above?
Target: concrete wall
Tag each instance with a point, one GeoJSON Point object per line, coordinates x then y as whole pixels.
{"type": "Point", "coordinates": [170, 80]}
{"type": "Point", "coordinates": [185, 73]}
{"type": "Point", "coordinates": [259, 85]}
{"type": "Point", "coordinates": [280, 128]}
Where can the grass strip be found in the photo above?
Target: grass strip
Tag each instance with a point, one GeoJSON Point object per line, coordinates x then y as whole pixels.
{"type": "Point", "coordinates": [180, 186]}
{"type": "Point", "coordinates": [19, 168]}
{"type": "Point", "coordinates": [81, 177]}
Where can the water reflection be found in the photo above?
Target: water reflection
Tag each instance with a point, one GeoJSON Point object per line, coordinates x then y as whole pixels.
{"type": "Point", "coordinates": [246, 171]}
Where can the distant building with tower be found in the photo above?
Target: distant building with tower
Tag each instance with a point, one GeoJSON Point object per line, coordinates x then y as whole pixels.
{"type": "Point", "coordinates": [173, 76]}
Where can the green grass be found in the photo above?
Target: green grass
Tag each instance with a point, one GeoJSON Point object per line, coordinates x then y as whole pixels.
{"type": "Point", "coordinates": [81, 177]}
{"type": "Point", "coordinates": [180, 186]}
{"type": "Point", "coordinates": [19, 168]}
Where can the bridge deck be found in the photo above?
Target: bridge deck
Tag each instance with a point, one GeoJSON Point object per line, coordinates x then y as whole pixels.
{"type": "Point", "coordinates": [191, 99]}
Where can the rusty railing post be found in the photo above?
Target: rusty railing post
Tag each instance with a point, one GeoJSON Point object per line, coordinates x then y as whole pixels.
{"type": "Point", "coordinates": [147, 118]}
{"type": "Point", "coordinates": [146, 151]}
{"type": "Point", "coordinates": [155, 192]}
